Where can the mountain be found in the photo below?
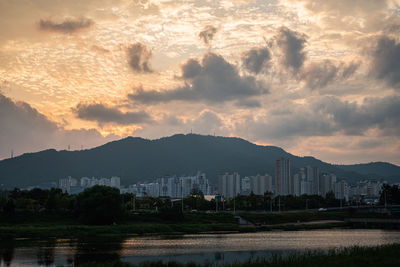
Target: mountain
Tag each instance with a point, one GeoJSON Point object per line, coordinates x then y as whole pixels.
{"type": "Point", "coordinates": [373, 169]}
{"type": "Point", "coordinates": [138, 159]}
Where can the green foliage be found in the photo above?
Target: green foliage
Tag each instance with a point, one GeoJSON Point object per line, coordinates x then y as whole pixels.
{"type": "Point", "coordinates": [9, 207]}
{"type": "Point", "coordinates": [390, 194]}
{"type": "Point", "coordinates": [99, 205]}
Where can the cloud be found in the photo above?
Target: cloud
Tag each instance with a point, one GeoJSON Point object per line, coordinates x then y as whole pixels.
{"type": "Point", "coordinates": [317, 75]}
{"type": "Point", "coordinates": [291, 45]}
{"type": "Point", "coordinates": [326, 116]}
{"type": "Point", "coordinates": [142, 8]}
{"type": "Point", "coordinates": [213, 80]}
{"type": "Point", "coordinates": [24, 129]}
{"type": "Point", "coordinates": [103, 114]}
{"type": "Point", "coordinates": [355, 119]}
{"type": "Point", "coordinates": [351, 16]}
{"type": "Point", "coordinates": [349, 69]}
{"type": "Point", "coordinates": [207, 34]}
{"type": "Point", "coordinates": [139, 58]}
{"type": "Point", "coordinates": [69, 25]}
{"type": "Point", "coordinates": [205, 122]}
{"type": "Point", "coordinates": [191, 68]}
{"type": "Point", "coordinates": [256, 60]}
{"type": "Point", "coordinates": [385, 61]}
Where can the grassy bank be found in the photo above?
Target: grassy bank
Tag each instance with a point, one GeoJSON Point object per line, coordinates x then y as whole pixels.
{"type": "Point", "coordinates": [293, 217]}
{"type": "Point", "coordinates": [53, 225]}
{"type": "Point", "coordinates": [65, 231]}
{"type": "Point", "coordinates": [33, 226]}
{"type": "Point", "coordinates": [386, 255]}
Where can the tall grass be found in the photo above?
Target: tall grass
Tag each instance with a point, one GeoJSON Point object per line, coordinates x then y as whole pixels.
{"type": "Point", "coordinates": [386, 255]}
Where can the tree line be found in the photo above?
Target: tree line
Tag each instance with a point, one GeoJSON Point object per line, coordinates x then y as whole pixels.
{"type": "Point", "coordinates": [105, 205]}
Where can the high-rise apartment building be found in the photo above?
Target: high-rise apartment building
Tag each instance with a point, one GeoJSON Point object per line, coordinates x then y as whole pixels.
{"type": "Point", "coordinates": [115, 182]}
{"type": "Point", "coordinates": [283, 181]}
{"type": "Point", "coordinates": [327, 183]}
{"type": "Point", "coordinates": [229, 185]}
{"type": "Point", "coordinates": [260, 184]}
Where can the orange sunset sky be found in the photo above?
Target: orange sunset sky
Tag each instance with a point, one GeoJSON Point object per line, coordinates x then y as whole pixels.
{"type": "Point", "coordinates": [318, 78]}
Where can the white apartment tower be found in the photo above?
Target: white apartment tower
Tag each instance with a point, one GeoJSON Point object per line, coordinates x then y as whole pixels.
{"type": "Point", "coordinates": [115, 182]}
{"type": "Point", "coordinates": [229, 185]}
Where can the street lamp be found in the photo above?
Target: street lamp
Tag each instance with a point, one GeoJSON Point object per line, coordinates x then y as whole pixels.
{"type": "Point", "coordinates": [182, 194]}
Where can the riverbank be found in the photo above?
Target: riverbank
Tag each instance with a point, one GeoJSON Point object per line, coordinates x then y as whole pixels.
{"type": "Point", "coordinates": [385, 255]}
{"type": "Point", "coordinates": [33, 226]}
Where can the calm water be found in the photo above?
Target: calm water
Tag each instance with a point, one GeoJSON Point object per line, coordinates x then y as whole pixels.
{"type": "Point", "coordinates": [221, 248]}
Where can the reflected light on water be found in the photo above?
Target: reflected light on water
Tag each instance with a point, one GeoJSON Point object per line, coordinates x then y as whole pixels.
{"type": "Point", "coordinates": [218, 248]}
{"type": "Point", "coordinates": [272, 241]}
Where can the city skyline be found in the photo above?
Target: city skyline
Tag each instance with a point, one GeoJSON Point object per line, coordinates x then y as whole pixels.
{"type": "Point", "coordinates": [317, 78]}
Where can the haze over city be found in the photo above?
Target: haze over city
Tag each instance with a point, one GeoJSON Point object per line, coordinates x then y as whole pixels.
{"type": "Point", "coordinates": [316, 78]}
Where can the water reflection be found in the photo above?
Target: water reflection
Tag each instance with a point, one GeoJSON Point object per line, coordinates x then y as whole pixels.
{"type": "Point", "coordinates": [45, 253]}
{"type": "Point", "coordinates": [223, 248]}
{"type": "Point", "coordinates": [97, 250]}
{"type": "Point", "coordinates": [7, 251]}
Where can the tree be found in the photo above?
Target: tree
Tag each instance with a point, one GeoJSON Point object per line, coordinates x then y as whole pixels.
{"type": "Point", "coordinates": [390, 194]}
{"type": "Point", "coordinates": [99, 205]}
{"type": "Point", "coordinates": [10, 206]}
{"type": "Point", "coordinates": [197, 193]}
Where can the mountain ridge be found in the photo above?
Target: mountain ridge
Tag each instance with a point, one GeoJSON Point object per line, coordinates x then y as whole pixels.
{"type": "Point", "coordinates": [138, 159]}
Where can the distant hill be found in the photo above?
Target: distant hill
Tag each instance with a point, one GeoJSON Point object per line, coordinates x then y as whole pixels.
{"type": "Point", "coordinates": [373, 169]}
{"type": "Point", "coordinates": [138, 159]}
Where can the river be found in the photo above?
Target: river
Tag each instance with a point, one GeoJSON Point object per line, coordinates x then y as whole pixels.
{"type": "Point", "coordinates": [220, 248]}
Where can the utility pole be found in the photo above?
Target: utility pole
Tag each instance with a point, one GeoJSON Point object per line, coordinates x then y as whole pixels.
{"type": "Point", "coordinates": [182, 194]}
{"type": "Point", "coordinates": [234, 205]}
{"type": "Point", "coordinates": [270, 204]}
{"type": "Point", "coordinates": [385, 200]}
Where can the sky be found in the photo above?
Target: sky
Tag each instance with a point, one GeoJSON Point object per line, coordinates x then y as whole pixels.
{"type": "Point", "coordinates": [319, 78]}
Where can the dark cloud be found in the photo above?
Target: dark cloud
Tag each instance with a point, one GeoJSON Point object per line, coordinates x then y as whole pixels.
{"type": "Point", "coordinates": [355, 119]}
{"type": "Point", "coordinates": [248, 103]}
{"type": "Point", "coordinates": [349, 69]}
{"type": "Point", "coordinates": [139, 58]}
{"type": "Point", "coordinates": [103, 114]}
{"type": "Point", "coordinates": [292, 46]}
{"type": "Point", "coordinates": [211, 80]}
{"type": "Point", "coordinates": [298, 122]}
{"type": "Point", "coordinates": [327, 116]}
{"type": "Point", "coordinates": [317, 75]}
{"type": "Point", "coordinates": [24, 129]}
{"type": "Point", "coordinates": [256, 60]}
{"type": "Point", "coordinates": [385, 63]}
{"type": "Point", "coordinates": [207, 34]}
{"type": "Point", "coordinates": [69, 25]}
{"type": "Point", "coordinates": [191, 69]}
